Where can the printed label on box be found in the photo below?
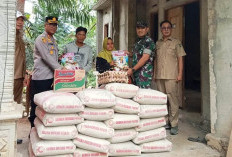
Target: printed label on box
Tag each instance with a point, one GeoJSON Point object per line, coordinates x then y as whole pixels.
{"type": "Point", "coordinates": [69, 80]}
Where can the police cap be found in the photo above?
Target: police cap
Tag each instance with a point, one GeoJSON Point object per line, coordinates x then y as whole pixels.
{"type": "Point", "coordinates": [51, 19]}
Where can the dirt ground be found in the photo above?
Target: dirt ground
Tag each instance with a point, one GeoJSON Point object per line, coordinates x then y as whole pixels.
{"type": "Point", "coordinates": [181, 146]}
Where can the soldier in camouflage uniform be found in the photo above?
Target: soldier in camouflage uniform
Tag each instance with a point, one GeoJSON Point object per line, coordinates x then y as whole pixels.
{"type": "Point", "coordinates": [143, 55]}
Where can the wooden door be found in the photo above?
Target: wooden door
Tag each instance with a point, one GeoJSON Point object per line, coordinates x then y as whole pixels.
{"type": "Point", "coordinates": [175, 16]}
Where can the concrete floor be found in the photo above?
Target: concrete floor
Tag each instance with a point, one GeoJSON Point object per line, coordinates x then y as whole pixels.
{"type": "Point", "coordinates": [181, 146]}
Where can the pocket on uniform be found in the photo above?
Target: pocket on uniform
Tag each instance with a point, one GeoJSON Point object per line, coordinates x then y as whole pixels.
{"type": "Point", "coordinates": [171, 51]}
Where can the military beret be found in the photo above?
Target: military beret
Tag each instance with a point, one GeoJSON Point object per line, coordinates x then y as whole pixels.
{"type": "Point", "coordinates": [141, 24]}
{"type": "Point", "coordinates": [51, 19]}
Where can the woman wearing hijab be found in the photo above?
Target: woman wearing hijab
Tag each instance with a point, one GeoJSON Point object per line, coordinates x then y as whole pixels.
{"type": "Point", "coordinates": [104, 58]}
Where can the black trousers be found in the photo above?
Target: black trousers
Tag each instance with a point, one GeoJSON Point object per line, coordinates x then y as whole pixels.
{"type": "Point", "coordinates": [37, 86]}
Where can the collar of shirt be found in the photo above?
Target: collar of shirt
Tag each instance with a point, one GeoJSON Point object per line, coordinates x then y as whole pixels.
{"type": "Point", "coordinates": [169, 38]}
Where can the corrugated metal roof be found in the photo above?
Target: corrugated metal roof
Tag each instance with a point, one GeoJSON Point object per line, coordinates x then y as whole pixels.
{"type": "Point", "coordinates": [102, 4]}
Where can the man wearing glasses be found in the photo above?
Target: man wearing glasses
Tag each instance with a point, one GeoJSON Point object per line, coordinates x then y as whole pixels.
{"type": "Point", "coordinates": [45, 62]}
{"type": "Point", "coordinates": [169, 70]}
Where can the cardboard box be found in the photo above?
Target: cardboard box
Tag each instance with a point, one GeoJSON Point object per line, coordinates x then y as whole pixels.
{"type": "Point", "coordinates": [69, 80]}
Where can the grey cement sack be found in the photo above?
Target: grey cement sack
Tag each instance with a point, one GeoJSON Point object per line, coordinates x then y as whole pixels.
{"type": "Point", "coordinates": [150, 97]}
{"type": "Point", "coordinates": [85, 153]}
{"type": "Point", "coordinates": [153, 111]}
{"type": "Point", "coordinates": [49, 148]}
{"type": "Point", "coordinates": [126, 106]}
{"type": "Point", "coordinates": [95, 129]}
{"type": "Point", "coordinates": [52, 102]}
{"type": "Point", "coordinates": [91, 143]}
{"type": "Point", "coordinates": [156, 146]}
{"type": "Point", "coordinates": [124, 135]}
{"type": "Point", "coordinates": [52, 119]}
{"type": "Point", "coordinates": [97, 98]}
{"type": "Point", "coordinates": [122, 90]}
{"type": "Point", "coordinates": [123, 121]}
{"type": "Point", "coordinates": [55, 132]}
{"type": "Point", "coordinates": [149, 136]}
{"type": "Point", "coordinates": [124, 149]}
{"type": "Point", "coordinates": [97, 114]}
{"type": "Point", "coordinates": [149, 124]}
{"type": "Point", "coordinates": [31, 154]}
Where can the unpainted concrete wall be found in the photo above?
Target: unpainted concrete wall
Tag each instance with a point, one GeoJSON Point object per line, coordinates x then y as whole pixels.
{"type": "Point", "coordinates": [123, 31]}
{"type": "Point", "coordinates": [220, 32]}
{"type": "Point", "coordinates": [107, 19]}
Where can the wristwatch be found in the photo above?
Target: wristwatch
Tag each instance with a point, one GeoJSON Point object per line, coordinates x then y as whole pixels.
{"type": "Point", "coordinates": [133, 70]}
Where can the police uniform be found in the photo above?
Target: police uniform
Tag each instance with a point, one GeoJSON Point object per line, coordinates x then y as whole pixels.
{"type": "Point", "coordinates": [166, 73]}
{"type": "Point", "coordinates": [45, 62]}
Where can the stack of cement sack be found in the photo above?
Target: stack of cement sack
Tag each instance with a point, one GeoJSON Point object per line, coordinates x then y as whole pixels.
{"type": "Point", "coordinates": [151, 107]}
{"type": "Point", "coordinates": [153, 110]}
{"type": "Point", "coordinates": [125, 120]}
{"type": "Point", "coordinates": [55, 124]}
{"type": "Point", "coordinates": [93, 132]}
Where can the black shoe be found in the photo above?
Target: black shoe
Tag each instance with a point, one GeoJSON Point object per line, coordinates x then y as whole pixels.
{"type": "Point", "coordinates": [167, 126]}
{"type": "Point", "coordinates": [174, 130]}
{"type": "Point", "coordinates": [19, 141]}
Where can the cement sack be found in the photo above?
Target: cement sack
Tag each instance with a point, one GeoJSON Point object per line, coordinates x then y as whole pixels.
{"type": "Point", "coordinates": [46, 148]}
{"type": "Point", "coordinates": [123, 149]}
{"type": "Point", "coordinates": [91, 143]}
{"type": "Point", "coordinates": [153, 111]}
{"type": "Point", "coordinates": [52, 102]}
{"type": "Point", "coordinates": [123, 121]}
{"type": "Point", "coordinates": [151, 135]}
{"type": "Point", "coordinates": [97, 98]}
{"type": "Point", "coordinates": [124, 135]}
{"type": "Point", "coordinates": [122, 90]}
{"type": "Point", "coordinates": [156, 146]}
{"type": "Point", "coordinates": [31, 154]}
{"type": "Point", "coordinates": [55, 132]}
{"type": "Point", "coordinates": [126, 106]}
{"type": "Point", "coordinates": [95, 129]}
{"type": "Point", "coordinates": [52, 119]}
{"type": "Point", "coordinates": [149, 124]}
{"type": "Point", "coordinates": [85, 153]}
{"type": "Point", "coordinates": [97, 114]}
{"type": "Point", "coordinates": [150, 97]}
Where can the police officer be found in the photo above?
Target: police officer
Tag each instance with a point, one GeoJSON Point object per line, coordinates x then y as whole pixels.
{"type": "Point", "coordinates": [45, 62]}
{"type": "Point", "coordinates": [169, 70]}
{"type": "Point", "coordinates": [142, 53]}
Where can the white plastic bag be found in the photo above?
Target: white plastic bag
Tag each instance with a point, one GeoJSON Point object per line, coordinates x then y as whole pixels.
{"type": "Point", "coordinates": [123, 121]}
{"type": "Point", "coordinates": [95, 129]}
{"type": "Point", "coordinates": [91, 143]}
{"type": "Point", "coordinates": [150, 97]}
{"type": "Point", "coordinates": [86, 153]}
{"type": "Point", "coordinates": [149, 124]}
{"type": "Point", "coordinates": [122, 90]}
{"type": "Point", "coordinates": [124, 135]}
{"type": "Point", "coordinates": [46, 148]}
{"type": "Point", "coordinates": [55, 132]}
{"type": "Point", "coordinates": [156, 146]}
{"type": "Point", "coordinates": [53, 119]}
{"type": "Point", "coordinates": [97, 98]}
{"type": "Point", "coordinates": [31, 154]}
{"type": "Point", "coordinates": [52, 102]}
{"type": "Point", "coordinates": [126, 106]}
{"type": "Point", "coordinates": [123, 149]}
{"type": "Point", "coordinates": [149, 136]}
{"type": "Point", "coordinates": [97, 114]}
{"type": "Point", "coordinates": [153, 111]}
